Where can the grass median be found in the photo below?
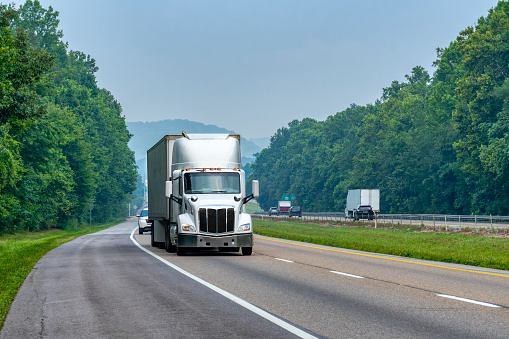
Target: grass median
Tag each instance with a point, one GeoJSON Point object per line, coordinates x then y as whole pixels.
{"type": "Point", "coordinates": [20, 252]}
{"type": "Point", "coordinates": [482, 249]}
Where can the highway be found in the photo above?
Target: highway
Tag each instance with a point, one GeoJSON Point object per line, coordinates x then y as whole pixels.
{"type": "Point", "coordinates": [107, 285]}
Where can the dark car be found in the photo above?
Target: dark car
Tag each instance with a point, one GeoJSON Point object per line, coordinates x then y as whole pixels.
{"type": "Point", "coordinates": [295, 211]}
{"type": "Point", "coordinates": [364, 212]}
{"type": "Point", "coordinates": [273, 211]}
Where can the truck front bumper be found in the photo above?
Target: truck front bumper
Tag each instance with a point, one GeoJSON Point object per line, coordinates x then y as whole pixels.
{"type": "Point", "coordinates": [197, 240]}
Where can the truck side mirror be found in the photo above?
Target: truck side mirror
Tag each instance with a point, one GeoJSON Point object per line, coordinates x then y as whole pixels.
{"type": "Point", "coordinates": [255, 188]}
{"type": "Point", "coordinates": [168, 189]}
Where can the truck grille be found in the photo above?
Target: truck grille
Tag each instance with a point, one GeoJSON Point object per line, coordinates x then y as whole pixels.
{"type": "Point", "coordinates": [219, 220]}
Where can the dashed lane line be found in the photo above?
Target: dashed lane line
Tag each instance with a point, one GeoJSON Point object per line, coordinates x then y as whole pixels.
{"type": "Point", "coordinates": [347, 274]}
{"type": "Point", "coordinates": [482, 303]}
{"type": "Point", "coordinates": [285, 260]}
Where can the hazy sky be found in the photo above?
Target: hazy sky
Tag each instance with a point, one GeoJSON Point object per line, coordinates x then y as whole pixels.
{"type": "Point", "coordinates": [254, 66]}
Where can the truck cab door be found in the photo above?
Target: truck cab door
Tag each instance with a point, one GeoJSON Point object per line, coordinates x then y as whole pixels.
{"type": "Point", "coordinates": [175, 207]}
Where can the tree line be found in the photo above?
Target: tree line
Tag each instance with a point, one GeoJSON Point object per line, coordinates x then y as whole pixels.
{"type": "Point", "coordinates": [63, 140]}
{"type": "Point", "coordinates": [431, 144]}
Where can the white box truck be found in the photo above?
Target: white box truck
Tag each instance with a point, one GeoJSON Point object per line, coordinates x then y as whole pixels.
{"type": "Point", "coordinates": [283, 207]}
{"type": "Point", "coordinates": [362, 203]}
{"type": "Point", "coordinates": [197, 194]}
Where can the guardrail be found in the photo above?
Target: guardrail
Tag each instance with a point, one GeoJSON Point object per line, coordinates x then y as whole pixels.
{"type": "Point", "coordinates": [448, 221]}
{"type": "Point", "coordinates": [307, 215]}
{"type": "Point", "coordinates": [458, 222]}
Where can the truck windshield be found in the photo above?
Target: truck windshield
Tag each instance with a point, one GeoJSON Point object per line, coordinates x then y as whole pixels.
{"type": "Point", "coordinates": [212, 182]}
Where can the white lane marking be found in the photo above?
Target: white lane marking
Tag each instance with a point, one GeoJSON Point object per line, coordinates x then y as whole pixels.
{"type": "Point", "coordinates": [468, 300]}
{"type": "Point", "coordinates": [348, 275]}
{"type": "Point", "coordinates": [290, 328]}
{"type": "Point", "coordinates": [285, 260]}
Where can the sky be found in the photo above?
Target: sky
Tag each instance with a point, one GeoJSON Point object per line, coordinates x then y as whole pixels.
{"type": "Point", "coordinates": [254, 66]}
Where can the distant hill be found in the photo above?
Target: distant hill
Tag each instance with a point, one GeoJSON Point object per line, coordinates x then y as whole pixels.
{"type": "Point", "coordinates": [261, 142]}
{"type": "Point", "coordinates": [146, 134]}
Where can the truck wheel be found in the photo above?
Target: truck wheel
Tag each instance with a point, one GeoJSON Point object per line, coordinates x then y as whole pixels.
{"type": "Point", "coordinates": [140, 230]}
{"type": "Point", "coordinates": [152, 242]}
{"type": "Point", "coordinates": [167, 242]}
{"type": "Point", "coordinates": [247, 250]}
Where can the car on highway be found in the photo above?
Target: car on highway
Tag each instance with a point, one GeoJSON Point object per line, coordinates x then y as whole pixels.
{"type": "Point", "coordinates": [273, 211]}
{"type": "Point", "coordinates": [364, 212]}
{"type": "Point", "coordinates": [143, 225]}
{"type": "Point", "coordinates": [295, 211]}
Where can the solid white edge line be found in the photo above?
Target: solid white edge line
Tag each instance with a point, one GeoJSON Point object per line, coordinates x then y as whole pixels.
{"type": "Point", "coordinates": [290, 328]}
{"type": "Point", "coordinates": [285, 260]}
{"type": "Point", "coordinates": [468, 300]}
{"type": "Point", "coordinates": [348, 275]}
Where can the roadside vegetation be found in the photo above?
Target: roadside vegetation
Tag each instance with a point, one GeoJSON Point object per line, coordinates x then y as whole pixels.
{"type": "Point", "coordinates": [63, 140]}
{"type": "Point", "coordinates": [484, 249]}
{"type": "Point", "coordinates": [432, 144]}
{"type": "Point", "coordinates": [252, 207]}
{"type": "Point", "coordinates": [20, 252]}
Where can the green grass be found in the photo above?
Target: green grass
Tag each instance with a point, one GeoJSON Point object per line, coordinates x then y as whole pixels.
{"type": "Point", "coordinates": [252, 207]}
{"type": "Point", "coordinates": [475, 249]}
{"type": "Point", "coordinates": [20, 252]}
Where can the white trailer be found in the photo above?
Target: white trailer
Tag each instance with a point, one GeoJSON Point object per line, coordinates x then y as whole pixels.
{"type": "Point", "coordinates": [283, 207]}
{"type": "Point", "coordinates": [197, 194]}
{"type": "Point", "coordinates": [358, 200]}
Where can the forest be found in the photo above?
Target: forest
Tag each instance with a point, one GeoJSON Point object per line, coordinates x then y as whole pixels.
{"type": "Point", "coordinates": [431, 144]}
{"type": "Point", "coordinates": [63, 140]}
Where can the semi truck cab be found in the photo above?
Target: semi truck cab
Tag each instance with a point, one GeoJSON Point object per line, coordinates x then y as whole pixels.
{"type": "Point", "coordinates": [210, 209]}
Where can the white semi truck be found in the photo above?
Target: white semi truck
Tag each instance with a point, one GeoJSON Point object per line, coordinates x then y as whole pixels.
{"type": "Point", "coordinates": [362, 203]}
{"type": "Point", "coordinates": [197, 194]}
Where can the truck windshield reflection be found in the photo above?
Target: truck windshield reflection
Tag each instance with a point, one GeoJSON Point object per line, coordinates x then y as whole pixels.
{"type": "Point", "coordinates": [211, 183]}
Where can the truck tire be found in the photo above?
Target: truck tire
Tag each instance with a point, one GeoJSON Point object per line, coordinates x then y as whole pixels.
{"type": "Point", "coordinates": [167, 242]}
{"type": "Point", "coordinates": [140, 230]}
{"type": "Point", "coordinates": [247, 250]}
{"type": "Point", "coordinates": [152, 242]}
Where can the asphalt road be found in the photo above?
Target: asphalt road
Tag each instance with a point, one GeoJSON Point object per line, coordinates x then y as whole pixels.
{"type": "Point", "coordinates": [104, 286]}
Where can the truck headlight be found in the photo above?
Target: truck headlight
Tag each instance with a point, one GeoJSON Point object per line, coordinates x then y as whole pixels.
{"type": "Point", "coordinates": [188, 228]}
{"type": "Point", "coordinates": [244, 227]}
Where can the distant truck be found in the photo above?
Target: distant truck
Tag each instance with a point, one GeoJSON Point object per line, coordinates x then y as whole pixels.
{"type": "Point", "coordinates": [197, 194]}
{"type": "Point", "coordinates": [362, 203]}
{"type": "Point", "coordinates": [283, 207]}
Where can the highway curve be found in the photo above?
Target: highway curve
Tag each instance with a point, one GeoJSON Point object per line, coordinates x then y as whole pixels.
{"type": "Point", "coordinates": [104, 285]}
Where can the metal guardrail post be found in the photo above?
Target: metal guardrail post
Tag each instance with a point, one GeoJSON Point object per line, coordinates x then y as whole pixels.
{"type": "Point", "coordinates": [459, 220]}
{"type": "Point", "coordinates": [433, 221]}
{"type": "Point", "coordinates": [491, 223]}
{"type": "Point", "coordinates": [475, 218]}
{"type": "Point", "coordinates": [446, 222]}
